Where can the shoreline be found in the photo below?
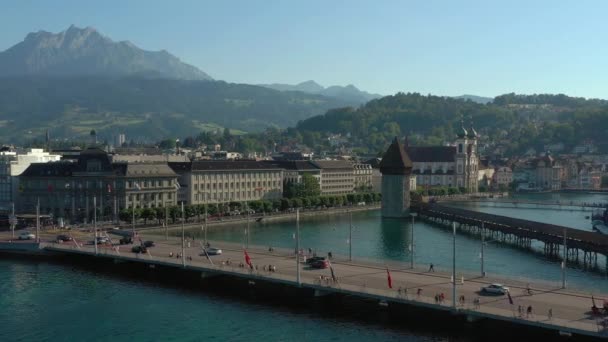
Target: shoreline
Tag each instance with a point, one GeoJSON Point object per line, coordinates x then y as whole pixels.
{"type": "Point", "coordinates": [282, 217]}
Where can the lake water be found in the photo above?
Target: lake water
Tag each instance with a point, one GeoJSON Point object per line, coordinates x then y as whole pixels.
{"type": "Point", "coordinates": [57, 302]}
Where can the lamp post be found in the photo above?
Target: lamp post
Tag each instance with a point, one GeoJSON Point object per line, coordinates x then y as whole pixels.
{"type": "Point", "coordinates": [183, 238]}
{"type": "Point", "coordinates": [13, 219]}
{"type": "Point", "coordinates": [483, 273]}
{"type": "Point", "coordinates": [298, 246]}
{"type": "Point", "coordinates": [350, 237]}
{"type": "Point", "coordinates": [564, 261]}
{"type": "Point", "coordinates": [95, 221]}
{"type": "Point", "coordinates": [454, 264]}
{"type": "Point", "coordinates": [413, 215]}
{"type": "Point", "coordinates": [38, 220]}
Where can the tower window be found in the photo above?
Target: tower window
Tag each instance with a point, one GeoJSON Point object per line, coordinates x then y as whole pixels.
{"type": "Point", "coordinates": [459, 148]}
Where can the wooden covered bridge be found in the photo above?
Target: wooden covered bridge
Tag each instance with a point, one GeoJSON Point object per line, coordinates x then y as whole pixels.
{"type": "Point", "coordinates": [583, 247]}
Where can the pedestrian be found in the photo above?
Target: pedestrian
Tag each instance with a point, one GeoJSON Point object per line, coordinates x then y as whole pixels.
{"type": "Point", "coordinates": [329, 255]}
{"type": "Point", "coordinates": [399, 291]}
{"type": "Point", "coordinates": [418, 292]}
{"type": "Point", "coordinates": [432, 268]}
{"type": "Point", "coordinates": [550, 315]}
{"type": "Point", "coordinates": [309, 250]}
{"type": "Point", "coordinates": [520, 311]}
{"type": "Point", "coordinates": [436, 298]}
{"type": "Point", "coordinates": [529, 311]}
{"type": "Point", "coordinates": [441, 298]}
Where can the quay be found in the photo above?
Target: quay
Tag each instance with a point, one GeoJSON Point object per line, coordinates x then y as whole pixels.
{"type": "Point", "coordinates": [412, 289]}
{"type": "Point", "coordinates": [581, 246]}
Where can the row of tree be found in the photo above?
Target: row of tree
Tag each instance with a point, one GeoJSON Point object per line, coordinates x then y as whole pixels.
{"type": "Point", "coordinates": [174, 213]}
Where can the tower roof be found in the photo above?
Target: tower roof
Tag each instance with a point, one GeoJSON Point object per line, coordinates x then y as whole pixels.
{"type": "Point", "coordinates": [396, 160]}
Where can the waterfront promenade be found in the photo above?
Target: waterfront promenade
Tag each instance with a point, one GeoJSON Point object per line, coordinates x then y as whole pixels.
{"type": "Point", "coordinates": [368, 279]}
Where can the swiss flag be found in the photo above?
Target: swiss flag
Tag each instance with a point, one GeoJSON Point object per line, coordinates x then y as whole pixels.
{"type": "Point", "coordinates": [389, 279]}
{"type": "Point", "coordinates": [247, 259]}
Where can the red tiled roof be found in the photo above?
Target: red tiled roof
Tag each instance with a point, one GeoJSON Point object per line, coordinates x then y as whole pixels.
{"type": "Point", "coordinates": [396, 160]}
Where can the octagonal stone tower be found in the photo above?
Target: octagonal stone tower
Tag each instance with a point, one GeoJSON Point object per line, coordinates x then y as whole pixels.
{"type": "Point", "coordinates": [396, 168]}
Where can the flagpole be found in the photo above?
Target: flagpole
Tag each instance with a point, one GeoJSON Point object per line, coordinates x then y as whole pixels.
{"type": "Point", "coordinates": [454, 264]}
{"type": "Point", "coordinates": [482, 248]}
{"type": "Point", "coordinates": [412, 242]}
{"type": "Point", "coordinates": [166, 223]}
{"type": "Point", "coordinates": [298, 246]}
{"type": "Point", "coordinates": [183, 239]}
{"type": "Point", "coordinates": [95, 221]}
{"type": "Point", "coordinates": [133, 221]}
{"type": "Point", "coordinates": [247, 205]}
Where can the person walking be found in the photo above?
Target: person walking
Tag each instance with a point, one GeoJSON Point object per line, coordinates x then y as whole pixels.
{"type": "Point", "coordinates": [550, 314]}
{"type": "Point", "coordinates": [529, 311]}
{"type": "Point", "coordinates": [431, 268]}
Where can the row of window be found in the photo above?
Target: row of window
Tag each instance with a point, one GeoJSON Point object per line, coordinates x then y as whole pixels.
{"type": "Point", "coordinates": [151, 196]}
{"type": "Point", "coordinates": [238, 195]}
{"type": "Point", "coordinates": [149, 183]}
{"type": "Point", "coordinates": [236, 176]}
{"type": "Point", "coordinates": [237, 185]}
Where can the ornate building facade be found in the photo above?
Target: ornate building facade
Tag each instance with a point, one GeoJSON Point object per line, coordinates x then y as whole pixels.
{"type": "Point", "coordinates": [447, 166]}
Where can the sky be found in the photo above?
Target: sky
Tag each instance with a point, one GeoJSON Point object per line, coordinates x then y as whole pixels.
{"type": "Point", "coordinates": [448, 48]}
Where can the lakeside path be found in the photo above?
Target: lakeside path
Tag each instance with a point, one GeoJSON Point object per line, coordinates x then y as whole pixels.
{"type": "Point", "coordinates": [570, 309]}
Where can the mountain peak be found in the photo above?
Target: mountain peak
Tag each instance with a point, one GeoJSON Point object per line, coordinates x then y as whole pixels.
{"type": "Point", "coordinates": [86, 52]}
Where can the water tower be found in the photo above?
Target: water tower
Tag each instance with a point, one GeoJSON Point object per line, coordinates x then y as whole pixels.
{"type": "Point", "coordinates": [396, 168]}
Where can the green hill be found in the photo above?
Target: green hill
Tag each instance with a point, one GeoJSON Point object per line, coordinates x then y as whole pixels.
{"type": "Point", "coordinates": [145, 108]}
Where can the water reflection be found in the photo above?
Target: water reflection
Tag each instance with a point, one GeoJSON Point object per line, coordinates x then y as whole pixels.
{"type": "Point", "coordinates": [395, 237]}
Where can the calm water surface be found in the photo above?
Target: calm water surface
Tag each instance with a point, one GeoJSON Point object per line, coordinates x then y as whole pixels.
{"type": "Point", "coordinates": [56, 302]}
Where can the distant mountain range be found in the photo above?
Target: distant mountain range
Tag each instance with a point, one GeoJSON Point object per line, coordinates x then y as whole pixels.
{"type": "Point", "coordinates": [85, 52]}
{"type": "Point", "coordinates": [348, 93]}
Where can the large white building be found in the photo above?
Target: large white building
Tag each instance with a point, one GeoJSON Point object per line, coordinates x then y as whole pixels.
{"type": "Point", "coordinates": [447, 166]}
{"type": "Point", "coordinates": [12, 164]}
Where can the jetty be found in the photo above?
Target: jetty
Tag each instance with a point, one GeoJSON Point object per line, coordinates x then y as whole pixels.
{"type": "Point", "coordinates": [413, 288]}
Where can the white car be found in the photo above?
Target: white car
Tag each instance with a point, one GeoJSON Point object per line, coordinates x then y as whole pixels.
{"type": "Point", "coordinates": [495, 289]}
{"type": "Point", "coordinates": [213, 251]}
{"type": "Point", "coordinates": [102, 239]}
{"type": "Point", "coordinates": [26, 236]}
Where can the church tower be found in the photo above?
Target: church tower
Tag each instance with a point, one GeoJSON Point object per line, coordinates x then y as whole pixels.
{"type": "Point", "coordinates": [462, 146]}
{"type": "Point", "coordinates": [396, 169]}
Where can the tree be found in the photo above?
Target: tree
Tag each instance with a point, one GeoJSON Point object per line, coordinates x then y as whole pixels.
{"type": "Point", "coordinates": [308, 186]}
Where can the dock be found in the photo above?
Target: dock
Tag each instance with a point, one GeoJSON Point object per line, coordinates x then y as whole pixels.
{"type": "Point", "coordinates": [415, 288]}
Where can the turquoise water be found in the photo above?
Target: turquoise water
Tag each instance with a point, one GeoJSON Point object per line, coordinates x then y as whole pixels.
{"type": "Point", "coordinates": [377, 239]}
{"type": "Point", "coordinates": [54, 302]}
{"type": "Point", "coordinates": [43, 301]}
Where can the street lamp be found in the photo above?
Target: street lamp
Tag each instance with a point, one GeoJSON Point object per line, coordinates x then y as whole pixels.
{"type": "Point", "coordinates": [413, 215]}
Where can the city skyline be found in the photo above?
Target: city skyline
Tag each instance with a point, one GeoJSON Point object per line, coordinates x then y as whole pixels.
{"type": "Point", "coordinates": [438, 48]}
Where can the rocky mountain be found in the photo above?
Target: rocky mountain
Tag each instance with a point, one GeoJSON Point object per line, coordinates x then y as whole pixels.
{"type": "Point", "coordinates": [86, 52]}
{"type": "Point", "coordinates": [348, 93]}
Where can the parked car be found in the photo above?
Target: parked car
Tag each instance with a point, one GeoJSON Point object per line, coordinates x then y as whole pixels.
{"type": "Point", "coordinates": [139, 249]}
{"type": "Point", "coordinates": [26, 236]}
{"type": "Point", "coordinates": [309, 261]}
{"type": "Point", "coordinates": [126, 240]}
{"type": "Point", "coordinates": [64, 238]}
{"type": "Point", "coordinates": [149, 244]}
{"type": "Point", "coordinates": [495, 289]}
{"type": "Point", "coordinates": [320, 264]}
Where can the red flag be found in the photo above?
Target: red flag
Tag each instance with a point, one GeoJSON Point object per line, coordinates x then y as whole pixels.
{"type": "Point", "coordinates": [389, 279]}
{"type": "Point", "coordinates": [510, 299]}
{"type": "Point", "coordinates": [247, 258]}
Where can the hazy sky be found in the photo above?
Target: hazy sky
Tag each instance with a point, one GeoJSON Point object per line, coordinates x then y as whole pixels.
{"type": "Point", "coordinates": [440, 47]}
